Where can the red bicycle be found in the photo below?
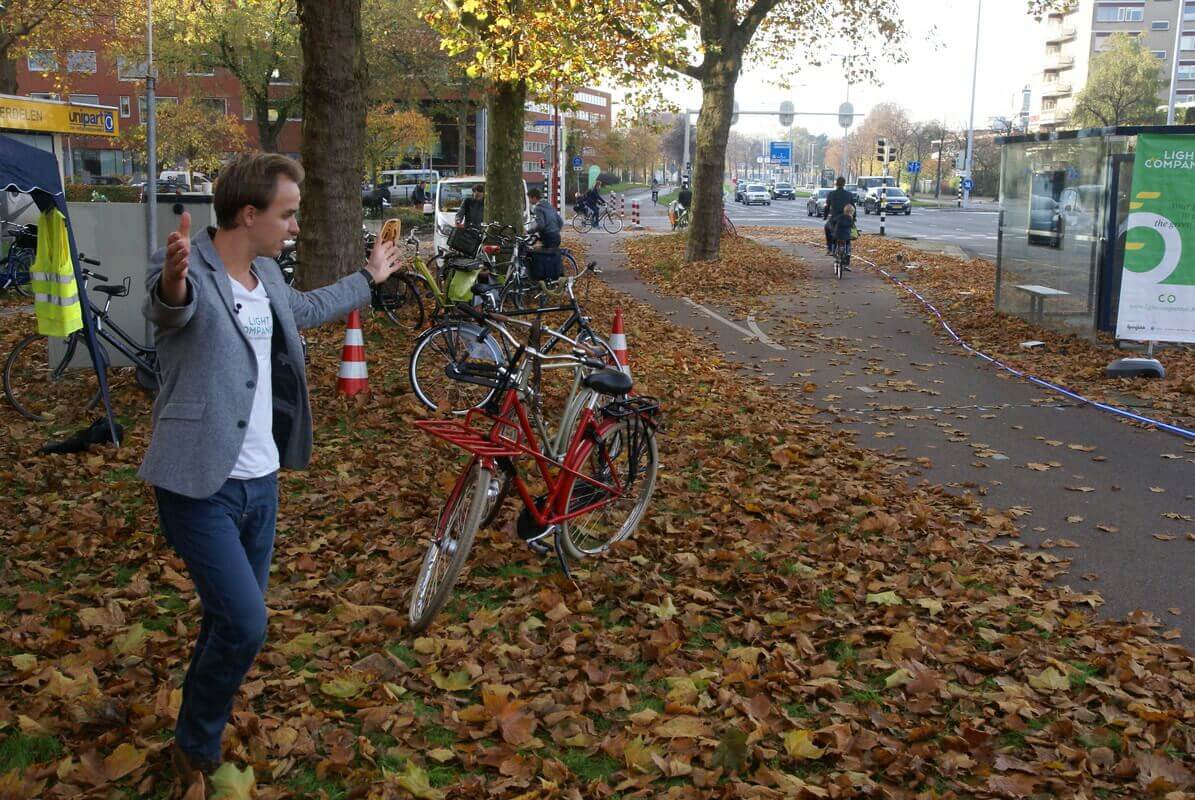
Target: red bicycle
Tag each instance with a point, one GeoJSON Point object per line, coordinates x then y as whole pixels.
{"type": "Point", "coordinates": [595, 494]}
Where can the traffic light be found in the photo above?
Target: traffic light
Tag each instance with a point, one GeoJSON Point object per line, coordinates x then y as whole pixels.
{"type": "Point", "coordinates": [882, 150]}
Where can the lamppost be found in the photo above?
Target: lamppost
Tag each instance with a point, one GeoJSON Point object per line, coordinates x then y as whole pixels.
{"type": "Point", "coordinates": [971, 122]}
{"type": "Point", "coordinates": [1178, 43]}
{"type": "Point", "coordinates": [151, 136]}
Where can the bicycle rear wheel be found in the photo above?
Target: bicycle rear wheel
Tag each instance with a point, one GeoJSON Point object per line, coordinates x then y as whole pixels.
{"type": "Point", "coordinates": [43, 390]}
{"type": "Point", "coordinates": [611, 223]}
{"type": "Point", "coordinates": [448, 344]}
{"type": "Point", "coordinates": [399, 299]}
{"type": "Point", "coordinates": [19, 261]}
{"type": "Point", "coordinates": [581, 223]}
{"type": "Point", "coordinates": [449, 549]}
{"type": "Point", "coordinates": [626, 449]}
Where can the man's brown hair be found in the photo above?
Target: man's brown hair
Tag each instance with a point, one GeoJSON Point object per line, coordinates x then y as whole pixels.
{"type": "Point", "coordinates": [250, 180]}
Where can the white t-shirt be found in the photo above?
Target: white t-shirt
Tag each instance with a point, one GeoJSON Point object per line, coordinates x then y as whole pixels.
{"type": "Point", "coordinates": [259, 453]}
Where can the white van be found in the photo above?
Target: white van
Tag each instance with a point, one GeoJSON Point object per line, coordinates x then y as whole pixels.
{"type": "Point", "coordinates": [198, 182]}
{"type": "Point", "coordinates": [449, 194]}
{"type": "Point", "coordinates": [401, 182]}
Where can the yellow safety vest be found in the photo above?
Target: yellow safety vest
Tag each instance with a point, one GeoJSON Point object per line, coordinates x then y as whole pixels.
{"type": "Point", "coordinates": [52, 277]}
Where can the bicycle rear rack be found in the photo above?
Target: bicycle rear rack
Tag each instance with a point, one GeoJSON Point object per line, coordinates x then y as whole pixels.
{"type": "Point", "coordinates": [471, 440]}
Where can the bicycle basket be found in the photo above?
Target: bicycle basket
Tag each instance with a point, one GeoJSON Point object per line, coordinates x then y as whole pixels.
{"type": "Point", "coordinates": [465, 240]}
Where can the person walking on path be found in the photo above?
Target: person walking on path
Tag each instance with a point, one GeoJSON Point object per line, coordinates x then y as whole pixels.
{"type": "Point", "coordinates": [419, 195]}
{"type": "Point", "coordinates": [232, 409]}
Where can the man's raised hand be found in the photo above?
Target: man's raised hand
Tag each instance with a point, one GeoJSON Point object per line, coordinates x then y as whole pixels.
{"type": "Point", "coordinates": [172, 287]}
{"type": "Point", "coordinates": [383, 261]}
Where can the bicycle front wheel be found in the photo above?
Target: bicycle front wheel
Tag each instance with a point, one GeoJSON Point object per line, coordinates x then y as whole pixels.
{"type": "Point", "coordinates": [449, 548]}
{"type": "Point", "coordinates": [625, 453]}
{"type": "Point", "coordinates": [20, 259]}
{"type": "Point", "coordinates": [449, 344]}
{"type": "Point", "coordinates": [728, 227]}
{"type": "Point", "coordinates": [399, 299]}
{"type": "Point", "coordinates": [41, 389]}
{"type": "Point", "coordinates": [611, 223]}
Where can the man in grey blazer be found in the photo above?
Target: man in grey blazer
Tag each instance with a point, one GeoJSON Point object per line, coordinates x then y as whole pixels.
{"type": "Point", "coordinates": [232, 409]}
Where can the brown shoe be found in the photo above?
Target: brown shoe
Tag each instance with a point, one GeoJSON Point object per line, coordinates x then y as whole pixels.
{"type": "Point", "coordinates": [191, 770]}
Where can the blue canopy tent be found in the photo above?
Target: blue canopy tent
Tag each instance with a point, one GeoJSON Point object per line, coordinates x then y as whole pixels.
{"type": "Point", "coordinates": [35, 172]}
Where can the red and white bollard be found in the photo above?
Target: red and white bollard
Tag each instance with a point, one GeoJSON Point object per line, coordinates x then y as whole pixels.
{"type": "Point", "coordinates": [634, 212]}
{"type": "Point", "coordinates": [618, 343]}
{"type": "Point", "coordinates": [622, 204]}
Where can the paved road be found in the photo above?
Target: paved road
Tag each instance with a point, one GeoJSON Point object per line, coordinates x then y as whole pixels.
{"type": "Point", "coordinates": [1078, 484]}
{"type": "Point", "coordinates": [973, 232]}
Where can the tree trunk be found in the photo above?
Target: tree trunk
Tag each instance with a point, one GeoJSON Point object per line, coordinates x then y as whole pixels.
{"type": "Point", "coordinates": [709, 158]}
{"type": "Point", "coordinates": [8, 72]}
{"type": "Point", "coordinates": [266, 134]}
{"type": "Point", "coordinates": [334, 81]}
{"type": "Point", "coordinates": [505, 200]}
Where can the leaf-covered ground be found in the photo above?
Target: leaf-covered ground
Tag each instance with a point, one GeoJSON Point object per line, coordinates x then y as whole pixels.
{"type": "Point", "coordinates": [964, 291]}
{"type": "Point", "coordinates": [791, 621]}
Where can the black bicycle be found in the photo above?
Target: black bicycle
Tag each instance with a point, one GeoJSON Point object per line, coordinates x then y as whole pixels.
{"type": "Point", "coordinates": [58, 382]}
{"type": "Point", "coordinates": [15, 266]}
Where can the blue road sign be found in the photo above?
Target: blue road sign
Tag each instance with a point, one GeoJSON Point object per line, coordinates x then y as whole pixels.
{"type": "Point", "coordinates": [968, 184]}
{"type": "Point", "coordinates": [914, 166]}
{"type": "Point", "coordinates": [576, 162]}
{"type": "Point", "coordinates": [544, 123]}
{"type": "Point", "coordinates": [781, 153]}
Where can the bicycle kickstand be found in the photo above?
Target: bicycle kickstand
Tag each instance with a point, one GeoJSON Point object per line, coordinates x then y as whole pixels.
{"type": "Point", "coordinates": [561, 557]}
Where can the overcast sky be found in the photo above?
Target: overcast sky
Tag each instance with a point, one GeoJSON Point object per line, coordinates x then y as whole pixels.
{"type": "Point", "coordinates": [934, 83]}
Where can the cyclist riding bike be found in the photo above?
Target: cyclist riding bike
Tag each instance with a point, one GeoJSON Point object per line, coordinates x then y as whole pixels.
{"type": "Point", "coordinates": [836, 204]}
{"type": "Point", "coordinates": [839, 230]}
{"type": "Point", "coordinates": [655, 191]}
{"type": "Point", "coordinates": [592, 200]}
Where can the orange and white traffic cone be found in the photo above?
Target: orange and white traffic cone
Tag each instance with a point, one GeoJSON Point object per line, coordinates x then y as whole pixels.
{"type": "Point", "coordinates": [354, 374]}
{"type": "Point", "coordinates": [618, 342]}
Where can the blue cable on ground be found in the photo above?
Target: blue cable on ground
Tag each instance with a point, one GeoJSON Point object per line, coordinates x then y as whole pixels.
{"type": "Point", "coordinates": [1162, 426]}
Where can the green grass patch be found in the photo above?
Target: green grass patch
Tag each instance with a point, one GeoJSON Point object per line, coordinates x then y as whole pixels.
{"type": "Point", "coordinates": [19, 751]}
{"type": "Point", "coordinates": [439, 736]}
{"type": "Point", "coordinates": [589, 767]}
{"type": "Point", "coordinates": [404, 654]}
{"type": "Point", "coordinates": [825, 599]}
{"type": "Point", "coordinates": [305, 783]}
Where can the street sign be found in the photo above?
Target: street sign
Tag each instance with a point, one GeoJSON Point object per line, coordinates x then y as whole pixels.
{"type": "Point", "coordinates": [544, 123]}
{"type": "Point", "coordinates": [846, 115]}
{"type": "Point", "coordinates": [576, 162]}
{"type": "Point", "coordinates": [914, 167]}
{"type": "Point", "coordinates": [781, 153]}
{"type": "Point", "coordinates": [968, 184]}
{"type": "Point", "coordinates": [759, 159]}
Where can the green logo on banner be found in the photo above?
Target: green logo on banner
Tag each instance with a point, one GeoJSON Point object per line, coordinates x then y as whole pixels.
{"type": "Point", "coordinates": [1160, 237]}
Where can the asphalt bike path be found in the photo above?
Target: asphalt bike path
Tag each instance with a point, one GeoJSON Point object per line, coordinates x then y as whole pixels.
{"type": "Point", "coordinates": [1116, 500]}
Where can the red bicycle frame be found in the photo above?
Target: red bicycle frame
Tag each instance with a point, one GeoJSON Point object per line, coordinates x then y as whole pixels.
{"type": "Point", "coordinates": [559, 477]}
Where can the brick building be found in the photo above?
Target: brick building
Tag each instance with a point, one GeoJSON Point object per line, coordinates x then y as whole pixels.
{"type": "Point", "coordinates": [98, 78]}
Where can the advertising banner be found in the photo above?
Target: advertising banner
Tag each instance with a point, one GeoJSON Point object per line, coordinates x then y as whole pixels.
{"type": "Point", "coordinates": [1157, 289]}
{"type": "Point", "coordinates": [18, 113]}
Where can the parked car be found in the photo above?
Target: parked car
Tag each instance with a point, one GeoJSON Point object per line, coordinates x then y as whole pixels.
{"type": "Point", "coordinates": [785, 191]}
{"type": "Point", "coordinates": [896, 200]}
{"type": "Point", "coordinates": [816, 204]}
{"type": "Point", "coordinates": [197, 181]}
{"type": "Point", "coordinates": [399, 183]}
{"type": "Point", "coordinates": [756, 193]}
{"type": "Point", "coordinates": [449, 194]}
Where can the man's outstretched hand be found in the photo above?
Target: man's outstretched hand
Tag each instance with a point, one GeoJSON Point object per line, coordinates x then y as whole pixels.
{"type": "Point", "coordinates": [172, 286]}
{"type": "Point", "coordinates": [383, 261]}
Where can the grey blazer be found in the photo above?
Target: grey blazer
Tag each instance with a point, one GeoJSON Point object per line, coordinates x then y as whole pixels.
{"type": "Point", "coordinates": [209, 371]}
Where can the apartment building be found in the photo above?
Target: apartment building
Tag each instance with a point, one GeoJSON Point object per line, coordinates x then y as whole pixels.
{"type": "Point", "coordinates": [97, 78]}
{"type": "Point", "coordinates": [1074, 37]}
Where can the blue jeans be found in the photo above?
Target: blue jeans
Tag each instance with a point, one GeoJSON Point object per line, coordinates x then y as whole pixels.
{"type": "Point", "coordinates": [226, 541]}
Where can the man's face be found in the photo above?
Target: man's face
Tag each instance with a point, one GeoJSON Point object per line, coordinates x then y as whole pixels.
{"type": "Point", "coordinates": [478, 195]}
{"type": "Point", "coordinates": [269, 228]}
